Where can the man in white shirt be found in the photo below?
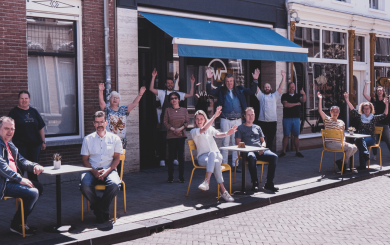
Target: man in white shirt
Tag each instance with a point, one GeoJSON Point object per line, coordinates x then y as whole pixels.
{"type": "Point", "coordinates": [163, 97]}
{"type": "Point", "coordinates": [101, 151]}
{"type": "Point", "coordinates": [267, 100]}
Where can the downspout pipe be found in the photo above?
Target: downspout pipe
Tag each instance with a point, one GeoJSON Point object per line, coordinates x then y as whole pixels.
{"type": "Point", "coordinates": [106, 49]}
{"type": "Point", "coordinates": [287, 64]}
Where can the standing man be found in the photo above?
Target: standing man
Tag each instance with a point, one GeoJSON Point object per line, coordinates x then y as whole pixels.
{"type": "Point", "coordinates": [233, 102]}
{"type": "Point", "coordinates": [101, 151]}
{"type": "Point", "coordinates": [252, 135]}
{"type": "Point", "coordinates": [267, 101]}
{"type": "Point", "coordinates": [165, 103]}
{"type": "Point", "coordinates": [292, 117]}
{"type": "Point", "coordinates": [12, 182]}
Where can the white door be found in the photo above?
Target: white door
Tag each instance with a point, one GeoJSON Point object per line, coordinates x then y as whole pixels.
{"type": "Point", "coordinates": [358, 86]}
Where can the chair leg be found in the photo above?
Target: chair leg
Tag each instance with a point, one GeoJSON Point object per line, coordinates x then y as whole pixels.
{"type": "Point", "coordinates": [82, 207]}
{"type": "Point", "coordinates": [245, 174]}
{"type": "Point", "coordinates": [218, 191]}
{"type": "Point", "coordinates": [342, 166]}
{"type": "Point", "coordinates": [321, 160]}
{"type": "Point", "coordinates": [115, 209]}
{"type": "Point", "coordinates": [17, 202]}
{"type": "Point", "coordinates": [380, 157]}
{"type": "Point", "coordinates": [124, 196]}
{"type": "Point", "coordinates": [22, 214]}
{"type": "Point", "coordinates": [369, 155]}
{"type": "Point", "coordinates": [334, 163]}
{"type": "Point", "coordinates": [189, 184]}
{"type": "Point", "coordinates": [87, 205]}
{"type": "Point", "coordinates": [234, 179]}
{"type": "Point", "coordinates": [230, 181]}
{"type": "Point", "coordinates": [353, 162]}
{"type": "Point", "coordinates": [261, 176]}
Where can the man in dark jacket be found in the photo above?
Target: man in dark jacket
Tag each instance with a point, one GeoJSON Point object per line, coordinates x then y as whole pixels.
{"type": "Point", "coordinates": [12, 183]}
{"type": "Point", "coordinates": [233, 102]}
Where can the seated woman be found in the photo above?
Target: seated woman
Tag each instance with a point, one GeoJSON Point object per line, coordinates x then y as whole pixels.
{"type": "Point", "coordinates": [332, 123]}
{"type": "Point", "coordinates": [208, 152]}
{"type": "Point", "coordinates": [367, 121]}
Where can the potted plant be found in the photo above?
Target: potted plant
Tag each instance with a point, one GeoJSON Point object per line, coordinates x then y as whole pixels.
{"type": "Point", "coordinates": [57, 161]}
{"type": "Point", "coordinates": [351, 130]}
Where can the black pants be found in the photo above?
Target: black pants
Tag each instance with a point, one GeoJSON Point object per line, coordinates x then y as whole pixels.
{"type": "Point", "coordinates": [162, 145]}
{"type": "Point", "coordinates": [176, 148]}
{"type": "Point", "coordinates": [31, 153]}
{"type": "Point", "coordinates": [269, 131]}
{"type": "Point", "coordinates": [267, 156]}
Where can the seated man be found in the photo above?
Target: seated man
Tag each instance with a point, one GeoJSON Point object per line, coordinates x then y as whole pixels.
{"type": "Point", "coordinates": [12, 184]}
{"type": "Point", "coordinates": [101, 151]}
{"type": "Point", "coordinates": [252, 135]}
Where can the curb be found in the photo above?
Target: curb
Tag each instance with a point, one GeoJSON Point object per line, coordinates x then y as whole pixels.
{"type": "Point", "coordinates": [131, 231]}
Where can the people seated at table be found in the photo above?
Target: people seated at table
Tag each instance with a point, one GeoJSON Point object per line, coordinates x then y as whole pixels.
{"type": "Point", "coordinates": [252, 135]}
{"type": "Point", "coordinates": [332, 123]}
{"type": "Point", "coordinates": [12, 182]}
{"type": "Point", "coordinates": [101, 151]}
{"type": "Point", "coordinates": [367, 119]}
{"type": "Point", "coordinates": [208, 153]}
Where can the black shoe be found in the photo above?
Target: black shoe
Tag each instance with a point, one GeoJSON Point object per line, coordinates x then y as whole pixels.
{"type": "Point", "coordinates": [282, 154]}
{"type": "Point", "coordinates": [298, 154]}
{"type": "Point", "coordinates": [29, 227]}
{"type": "Point", "coordinates": [99, 216]}
{"type": "Point", "coordinates": [170, 180]}
{"type": "Point", "coordinates": [106, 216]}
{"type": "Point", "coordinates": [181, 179]}
{"type": "Point", "coordinates": [339, 164]}
{"type": "Point", "coordinates": [271, 188]}
{"type": "Point", "coordinates": [18, 230]}
{"type": "Point", "coordinates": [366, 157]}
{"type": "Point", "coordinates": [361, 168]}
{"type": "Point", "coordinates": [238, 170]}
{"type": "Point", "coordinates": [255, 187]}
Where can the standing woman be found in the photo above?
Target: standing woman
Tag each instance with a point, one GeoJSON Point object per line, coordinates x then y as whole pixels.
{"type": "Point", "coordinates": [367, 121]}
{"type": "Point", "coordinates": [379, 105]}
{"type": "Point", "coordinates": [176, 121]}
{"type": "Point", "coordinates": [29, 135]}
{"type": "Point", "coordinates": [116, 116]}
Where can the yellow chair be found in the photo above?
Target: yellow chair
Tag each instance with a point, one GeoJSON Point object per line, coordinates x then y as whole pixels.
{"type": "Point", "coordinates": [336, 134]}
{"type": "Point", "coordinates": [21, 210]}
{"type": "Point", "coordinates": [103, 187]}
{"type": "Point", "coordinates": [224, 167]}
{"type": "Point", "coordinates": [246, 163]}
{"type": "Point", "coordinates": [378, 130]}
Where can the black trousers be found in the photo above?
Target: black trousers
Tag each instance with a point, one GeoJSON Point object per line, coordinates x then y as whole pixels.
{"type": "Point", "coordinates": [31, 153]}
{"type": "Point", "coordinates": [176, 148]}
{"type": "Point", "coordinates": [269, 130]}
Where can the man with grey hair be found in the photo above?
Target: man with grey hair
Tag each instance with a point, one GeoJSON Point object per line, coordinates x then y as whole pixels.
{"type": "Point", "coordinates": [101, 151]}
{"type": "Point", "coordinates": [267, 115]}
{"type": "Point", "coordinates": [12, 182]}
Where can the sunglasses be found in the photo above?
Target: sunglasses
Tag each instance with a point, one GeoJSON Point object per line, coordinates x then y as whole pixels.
{"type": "Point", "coordinates": [174, 98]}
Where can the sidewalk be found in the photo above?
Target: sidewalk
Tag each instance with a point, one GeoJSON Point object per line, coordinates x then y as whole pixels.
{"type": "Point", "coordinates": [148, 197]}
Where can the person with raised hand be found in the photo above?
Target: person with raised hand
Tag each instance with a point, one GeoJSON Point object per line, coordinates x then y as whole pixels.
{"type": "Point", "coordinates": [208, 153]}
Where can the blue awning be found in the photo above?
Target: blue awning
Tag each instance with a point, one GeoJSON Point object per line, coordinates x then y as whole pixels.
{"type": "Point", "coordinates": [212, 39]}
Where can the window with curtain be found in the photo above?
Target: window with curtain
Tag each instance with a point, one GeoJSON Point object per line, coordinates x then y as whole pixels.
{"type": "Point", "coordinates": [52, 74]}
{"type": "Point", "coordinates": [333, 45]}
{"type": "Point", "coordinates": [308, 38]}
{"type": "Point", "coordinates": [382, 50]}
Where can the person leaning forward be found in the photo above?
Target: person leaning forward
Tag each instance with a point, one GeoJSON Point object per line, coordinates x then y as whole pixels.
{"type": "Point", "coordinates": [12, 184]}
{"type": "Point", "coordinates": [101, 151]}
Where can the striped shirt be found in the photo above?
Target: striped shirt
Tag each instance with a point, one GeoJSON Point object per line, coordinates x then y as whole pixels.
{"type": "Point", "coordinates": [176, 118]}
{"type": "Point", "coordinates": [331, 124]}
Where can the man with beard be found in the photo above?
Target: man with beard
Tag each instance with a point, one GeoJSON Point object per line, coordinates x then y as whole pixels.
{"type": "Point", "coordinates": [101, 151]}
{"type": "Point", "coordinates": [165, 103]}
{"type": "Point", "coordinates": [267, 115]}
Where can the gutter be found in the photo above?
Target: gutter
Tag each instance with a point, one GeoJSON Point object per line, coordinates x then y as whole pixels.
{"type": "Point", "coordinates": [106, 49]}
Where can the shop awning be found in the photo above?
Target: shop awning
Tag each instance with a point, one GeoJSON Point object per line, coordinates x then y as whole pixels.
{"type": "Point", "coordinates": [212, 39]}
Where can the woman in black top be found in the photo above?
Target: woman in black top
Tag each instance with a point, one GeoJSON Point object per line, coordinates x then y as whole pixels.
{"type": "Point", "coordinates": [29, 135]}
{"type": "Point", "coordinates": [379, 106]}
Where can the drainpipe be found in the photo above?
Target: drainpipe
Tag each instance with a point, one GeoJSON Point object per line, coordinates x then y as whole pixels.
{"type": "Point", "coordinates": [287, 64]}
{"type": "Point", "coordinates": [106, 50]}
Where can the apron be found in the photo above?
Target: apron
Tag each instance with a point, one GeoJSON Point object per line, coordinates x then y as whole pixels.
{"type": "Point", "coordinates": [163, 108]}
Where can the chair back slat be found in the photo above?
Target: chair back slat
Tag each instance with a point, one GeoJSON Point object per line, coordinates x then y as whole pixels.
{"type": "Point", "coordinates": [192, 146]}
{"type": "Point", "coordinates": [335, 134]}
{"type": "Point", "coordinates": [379, 130]}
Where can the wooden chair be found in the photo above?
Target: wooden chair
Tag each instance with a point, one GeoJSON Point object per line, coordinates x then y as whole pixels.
{"type": "Point", "coordinates": [258, 162]}
{"type": "Point", "coordinates": [378, 130]}
{"type": "Point", "coordinates": [103, 187]}
{"type": "Point", "coordinates": [21, 210]}
{"type": "Point", "coordinates": [224, 167]}
{"type": "Point", "coordinates": [336, 134]}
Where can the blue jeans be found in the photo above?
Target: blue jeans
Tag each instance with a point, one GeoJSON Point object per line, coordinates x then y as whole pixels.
{"type": "Point", "coordinates": [212, 162]}
{"type": "Point", "coordinates": [112, 183]}
{"type": "Point", "coordinates": [31, 153]}
{"type": "Point", "coordinates": [267, 156]}
{"type": "Point", "coordinates": [362, 145]}
{"type": "Point", "coordinates": [29, 196]}
{"type": "Point", "coordinates": [291, 124]}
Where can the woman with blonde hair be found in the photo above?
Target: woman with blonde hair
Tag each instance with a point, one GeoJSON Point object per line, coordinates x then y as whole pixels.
{"type": "Point", "coordinates": [208, 153]}
{"type": "Point", "coordinates": [367, 120]}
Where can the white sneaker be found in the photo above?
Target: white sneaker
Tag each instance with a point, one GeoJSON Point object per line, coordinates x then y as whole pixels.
{"type": "Point", "coordinates": [204, 186]}
{"type": "Point", "coordinates": [374, 157]}
{"type": "Point", "coordinates": [175, 162]}
{"type": "Point", "coordinates": [162, 163]}
{"type": "Point", "coordinates": [227, 197]}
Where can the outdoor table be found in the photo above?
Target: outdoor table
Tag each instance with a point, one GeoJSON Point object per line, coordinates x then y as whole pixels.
{"type": "Point", "coordinates": [354, 136]}
{"type": "Point", "coordinates": [65, 169]}
{"type": "Point", "coordinates": [243, 152]}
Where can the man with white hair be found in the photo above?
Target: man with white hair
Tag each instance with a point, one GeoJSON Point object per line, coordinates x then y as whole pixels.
{"type": "Point", "coordinates": [267, 100]}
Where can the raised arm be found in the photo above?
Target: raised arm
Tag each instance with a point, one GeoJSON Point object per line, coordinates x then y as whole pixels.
{"type": "Point", "coordinates": [218, 112]}
{"type": "Point", "coordinates": [192, 87]}
{"type": "Point", "coordinates": [282, 83]}
{"type": "Point", "coordinates": [386, 100]}
{"type": "Point", "coordinates": [209, 89]}
{"type": "Point", "coordinates": [367, 96]}
{"type": "Point", "coordinates": [346, 97]}
{"type": "Point", "coordinates": [102, 103]}
{"type": "Point", "coordinates": [151, 87]}
{"type": "Point", "coordinates": [254, 87]}
{"type": "Point", "coordinates": [303, 99]}
{"type": "Point", "coordinates": [323, 116]}
{"type": "Point", "coordinates": [136, 100]}
{"type": "Point", "coordinates": [255, 76]}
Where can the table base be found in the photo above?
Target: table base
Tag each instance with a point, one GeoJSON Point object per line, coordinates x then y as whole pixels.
{"type": "Point", "coordinates": [59, 229]}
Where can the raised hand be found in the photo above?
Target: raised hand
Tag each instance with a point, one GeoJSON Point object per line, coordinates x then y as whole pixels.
{"type": "Point", "coordinates": [101, 87]}
{"type": "Point", "coordinates": [302, 92]}
{"type": "Point", "coordinates": [319, 95]}
{"type": "Point", "coordinates": [386, 100]}
{"type": "Point", "coordinates": [368, 82]}
{"type": "Point", "coordinates": [346, 96]}
{"type": "Point", "coordinates": [256, 74]}
{"type": "Point", "coordinates": [218, 111]}
{"type": "Point", "coordinates": [142, 90]}
{"type": "Point", "coordinates": [209, 73]}
{"type": "Point", "coordinates": [192, 79]}
{"type": "Point", "coordinates": [283, 73]}
{"type": "Point", "coordinates": [232, 130]}
{"type": "Point", "coordinates": [154, 73]}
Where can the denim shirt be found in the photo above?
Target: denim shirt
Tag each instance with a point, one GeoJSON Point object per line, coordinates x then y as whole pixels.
{"type": "Point", "coordinates": [231, 107]}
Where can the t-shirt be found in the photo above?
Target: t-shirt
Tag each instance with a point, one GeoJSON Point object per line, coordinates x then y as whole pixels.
{"type": "Point", "coordinates": [11, 159]}
{"type": "Point", "coordinates": [250, 135]}
{"type": "Point", "coordinates": [27, 125]}
{"type": "Point", "coordinates": [117, 120]}
{"type": "Point", "coordinates": [331, 124]}
{"type": "Point", "coordinates": [161, 95]}
{"type": "Point", "coordinates": [295, 111]}
{"type": "Point", "coordinates": [380, 107]}
{"type": "Point", "coordinates": [205, 142]}
{"type": "Point", "coordinates": [268, 106]}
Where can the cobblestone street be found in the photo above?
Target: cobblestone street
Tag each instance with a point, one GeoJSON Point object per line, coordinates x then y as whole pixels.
{"type": "Point", "coordinates": [352, 214]}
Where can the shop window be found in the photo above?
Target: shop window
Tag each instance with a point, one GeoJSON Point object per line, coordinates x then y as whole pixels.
{"type": "Point", "coordinates": [333, 45]}
{"type": "Point", "coordinates": [382, 76]}
{"type": "Point", "coordinates": [373, 4]}
{"type": "Point", "coordinates": [382, 50]}
{"type": "Point", "coordinates": [52, 74]}
{"type": "Point", "coordinates": [308, 38]}
{"type": "Point", "coordinates": [358, 50]}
